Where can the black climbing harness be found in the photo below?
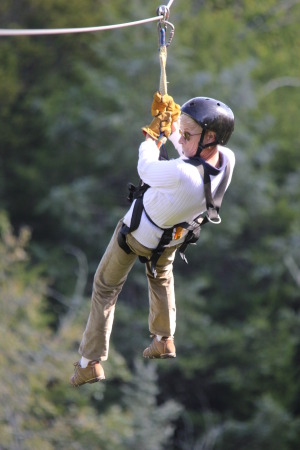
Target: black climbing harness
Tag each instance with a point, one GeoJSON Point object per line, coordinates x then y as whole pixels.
{"type": "Point", "coordinates": [213, 204]}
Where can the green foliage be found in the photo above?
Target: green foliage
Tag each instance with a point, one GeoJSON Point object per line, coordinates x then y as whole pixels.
{"type": "Point", "coordinates": [264, 431]}
{"type": "Point", "coordinates": [40, 409]}
{"type": "Point", "coordinates": [149, 425]}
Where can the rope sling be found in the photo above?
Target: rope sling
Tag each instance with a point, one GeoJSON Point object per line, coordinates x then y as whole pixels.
{"type": "Point", "coordinates": [162, 29]}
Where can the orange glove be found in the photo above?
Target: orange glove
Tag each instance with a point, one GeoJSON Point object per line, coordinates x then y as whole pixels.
{"type": "Point", "coordinates": [160, 103]}
{"type": "Point", "coordinates": [160, 124]}
{"type": "Point", "coordinates": [174, 109]}
{"type": "Point", "coordinates": [165, 103]}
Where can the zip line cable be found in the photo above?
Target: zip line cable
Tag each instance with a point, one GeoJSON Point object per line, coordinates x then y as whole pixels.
{"type": "Point", "coordinates": [37, 32]}
{"type": "Point", "coordinates": [40, 32]}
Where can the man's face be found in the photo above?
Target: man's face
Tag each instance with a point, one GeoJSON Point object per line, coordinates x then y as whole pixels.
{"type": "Point", "coordinates": [189, 139]}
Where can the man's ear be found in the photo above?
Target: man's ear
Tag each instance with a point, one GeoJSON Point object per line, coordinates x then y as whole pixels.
{"type": "Point", "coordinates": [211, 136]}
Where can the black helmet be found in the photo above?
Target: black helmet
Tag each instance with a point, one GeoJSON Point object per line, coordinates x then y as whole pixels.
{"type": "Point", "coordinates": [211, 114]}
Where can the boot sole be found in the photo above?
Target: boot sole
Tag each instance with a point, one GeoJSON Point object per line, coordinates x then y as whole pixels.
{"type": "Point", "coordinates": [91, 381]}
{"type": "Point", "coordinates": [163, 356]}
{"type": "Point", "coordinates": [95, 380]}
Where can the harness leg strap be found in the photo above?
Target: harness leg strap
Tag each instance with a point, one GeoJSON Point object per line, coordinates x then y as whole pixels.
{"type": "Point", "coordinates": [122, 239]}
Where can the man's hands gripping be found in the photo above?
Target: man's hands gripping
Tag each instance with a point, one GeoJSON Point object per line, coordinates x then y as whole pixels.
{"type": "Point", "coordinates": [163, 103]}
{"type": "Point", "coordinates": [165, 111]}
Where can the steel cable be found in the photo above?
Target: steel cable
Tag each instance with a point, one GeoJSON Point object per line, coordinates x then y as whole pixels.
{"type": "Point", "coordinates": [40, 32]}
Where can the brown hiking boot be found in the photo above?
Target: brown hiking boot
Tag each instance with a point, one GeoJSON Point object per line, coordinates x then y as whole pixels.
{"type": "Point", "coordinates": [164, 348]}
{"type": "Point", "coordinates": [91, 374]}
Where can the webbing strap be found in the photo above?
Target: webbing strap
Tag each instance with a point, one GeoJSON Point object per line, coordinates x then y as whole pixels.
{"type": "Point", "coordinates": [213, 204]}
{"type": "Point", "coordinates": [136, 214]}
{"type": "Point", "coordinates": [218, 197]}
{"type": "Point", "coordinates": [163, 75]}
{"type": "Point", "coordinates": [163, 153]}
{"type": "Point", "coordinates": [158, 251]}
{"type": "Point", "coordinates": [212, 209]}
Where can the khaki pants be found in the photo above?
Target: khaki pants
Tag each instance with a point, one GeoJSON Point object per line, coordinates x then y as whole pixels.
{"type": "Point", "coordinates": [109, 279]}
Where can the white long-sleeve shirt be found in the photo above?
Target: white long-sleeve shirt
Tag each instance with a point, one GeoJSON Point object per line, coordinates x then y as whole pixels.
{"type": "Point", "coordinates": [176, 192]}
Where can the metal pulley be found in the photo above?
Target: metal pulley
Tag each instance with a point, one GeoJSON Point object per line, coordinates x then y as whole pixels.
{"type": "Point", "coordinates": [164, 11]}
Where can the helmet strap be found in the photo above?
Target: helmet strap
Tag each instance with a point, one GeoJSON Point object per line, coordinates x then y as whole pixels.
{"type": "Point", "coordinates": [202, 146]}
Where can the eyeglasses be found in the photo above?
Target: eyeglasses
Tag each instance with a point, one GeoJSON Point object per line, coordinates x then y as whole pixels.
{"type": "Point", "coordinates": [186, 135]}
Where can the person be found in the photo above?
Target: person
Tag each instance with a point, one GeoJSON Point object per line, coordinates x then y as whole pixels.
{"type": "Point", "coordinates": [166, 213]}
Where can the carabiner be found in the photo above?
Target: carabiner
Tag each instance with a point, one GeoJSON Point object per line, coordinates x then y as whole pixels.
{"type": "Point", "coordinates": [162, 28]}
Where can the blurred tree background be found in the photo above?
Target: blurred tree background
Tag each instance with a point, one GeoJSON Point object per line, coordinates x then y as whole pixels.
{"type": "Point", "coordinates": [71, 110]}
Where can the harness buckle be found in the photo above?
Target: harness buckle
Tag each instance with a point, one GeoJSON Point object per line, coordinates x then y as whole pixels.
{"type": "Point", "coordinates": [177, 233]}
{"type": "Point", "coordinates": [214, 220]}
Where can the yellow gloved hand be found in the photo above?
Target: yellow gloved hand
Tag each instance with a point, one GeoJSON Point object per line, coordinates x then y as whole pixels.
{"type": "Point", "coordinates": [163, 103]}
{"type": "Point", "coordinates": [161, 124]}
{"type": "Point", "coordinates": [174, 109]}
{"type": "Point", "coordinates": [160, 103]}
{"type": "Point", "coordinates": [166, 124]}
